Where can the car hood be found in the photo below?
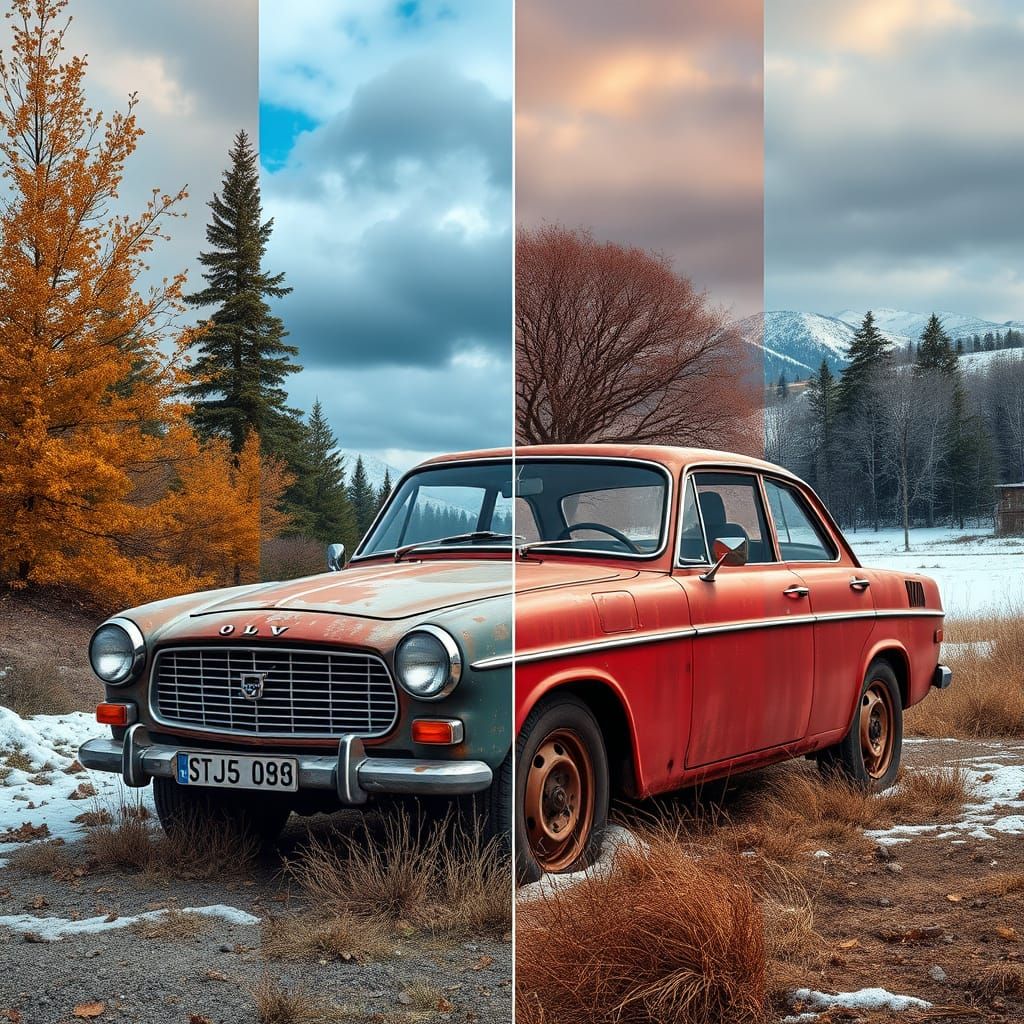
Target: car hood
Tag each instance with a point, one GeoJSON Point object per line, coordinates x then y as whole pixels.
{"type": "Point", "coordinates": [404, 590]}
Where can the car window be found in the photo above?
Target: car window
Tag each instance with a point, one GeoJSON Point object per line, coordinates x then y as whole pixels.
{"type": "Point", "coordinates": [730, 506]}
{"type": "Point", "coordinates": [632, 511]}
{"type": "Point", "coordinates": [525, 520]}
{"type": "Point", "coordinates": [800, 536]}
{"type": "Point", "coordinates": [691, 535]}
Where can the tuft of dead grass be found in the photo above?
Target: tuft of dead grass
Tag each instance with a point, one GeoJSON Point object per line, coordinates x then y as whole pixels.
{"type": "Point", "coordinates": [312, 936]}
{"type": "Point", "coordinates": [36, 688]}
{"type": "Point", "coordinates": [125, 838]}
{"type": "Point", "coordinates": [173, 924]}
{"type": "Point", "coordinates": [432, 879]}
{"type": "Point", "coordinates": [996, 980]}
{"type": "Point", "coordinates": [987, 695]}
{"type": "Point", "coordinates": [276, 1004]}
{"type": "Point", "coordinates": [662, 936]}
{"type": "Point", "coordinates": [43, 858]}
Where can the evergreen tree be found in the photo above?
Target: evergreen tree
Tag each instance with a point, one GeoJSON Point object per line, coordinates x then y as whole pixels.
{"type": "Point", "coordinates": [822, 400]}
{"type": "Point", "coordinates": [362, 496]}
{"type": "Point", "coordinates": [384, 491]}
{"type": "Point", "coordinates": [869, 352]}
{"type": "Point", "coordinates": [936, 350]}
{"type": "Point", "coordinates": [781, 390]}
{"type": "Point", "coordinates": [242, 359]}
{"type": "Point", "coordinates": [319, 500]}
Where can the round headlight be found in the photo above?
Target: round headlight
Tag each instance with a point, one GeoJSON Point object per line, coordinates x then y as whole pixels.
{"type": "Point", "coordinates": [117, 651]}
{"type": "Point", "coordinates": [428, 663]}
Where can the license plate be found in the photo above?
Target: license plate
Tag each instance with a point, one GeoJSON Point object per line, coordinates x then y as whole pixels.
{"type": "Point", "coordinates": [237, 771]}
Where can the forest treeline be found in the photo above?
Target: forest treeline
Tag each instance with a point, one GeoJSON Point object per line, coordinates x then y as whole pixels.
{"type": "Point", "coordinates": [138, 458]}
{"type": "Point", "coordinates": [904, 436]}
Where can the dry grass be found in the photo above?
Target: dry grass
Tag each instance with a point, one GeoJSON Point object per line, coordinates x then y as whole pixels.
{"type": "Point", "coordinates": [1000, 979]}
{"type": "Point", "coordinates": [423, 997]}
{"type": "Point", "coordinates": [987, 695]}
{"type": "Point", "coordinates": [276, 1004]}
{"type": "Point", "coordinates": [311, 936]}
{"type": "Point", "coordinates": [427, 877]}
{"type": "Point", "coordinates": [36, 688]}
{"type": "Point", "coordinates": [43, 858]}
{"type": "Point", "coordinates": [125, 839]}
{"type": "Point", "coordinates": [662, 937]}
{"type": "Point", "coordinates": [287, 558]}
{"type": "Point", "coordinates": [173, 925]}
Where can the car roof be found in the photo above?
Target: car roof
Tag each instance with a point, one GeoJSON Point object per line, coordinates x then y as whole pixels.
{"type": "Point", "coordinates": [673, 457]}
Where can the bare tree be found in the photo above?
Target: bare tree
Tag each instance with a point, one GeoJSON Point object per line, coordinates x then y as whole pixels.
{"type": "Point", "coordinates": [613, 345]}
{"type": "Point", "coordinates": [914, 421]}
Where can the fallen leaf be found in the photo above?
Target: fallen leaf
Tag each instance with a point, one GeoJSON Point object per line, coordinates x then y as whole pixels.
{"type": "Point", "coordinates": [849, 943]}
{"type": "Point", "coordinates": [1009, 934]}
{"type": "Point", "coordinates": [89, 1011]}
{"type": "Point", "coordinates": [954, 897]}
{"type": "Point", "coordinates": [198, 1018]}
{"type": "Point", "coordinates": [483, 963]}
{"type": "Point", "coordinates": [25, 833]}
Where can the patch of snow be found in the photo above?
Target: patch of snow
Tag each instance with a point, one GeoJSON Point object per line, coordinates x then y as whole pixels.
{"type": "Point", "coordinates": [863, 999]}
{"type": "Point", "coordinates": [50, 929]}
{"type": "Point", "coordinates": [38, 794]}
{"type": "Point", "coordinates": [615, 838]}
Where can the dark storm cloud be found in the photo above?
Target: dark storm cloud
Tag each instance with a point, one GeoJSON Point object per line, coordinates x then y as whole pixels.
{"type": "Point", "coordinates": [894, 160]}
{"type": "Point", "coordinates": [423, 110]}
{"type": "Point", "coordinates": [416, 296]}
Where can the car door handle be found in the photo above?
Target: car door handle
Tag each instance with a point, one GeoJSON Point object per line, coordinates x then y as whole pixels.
{"type": "Point", "coordinates": [795, 592]}
{"type": "Point", "coordinates": [859, 584]}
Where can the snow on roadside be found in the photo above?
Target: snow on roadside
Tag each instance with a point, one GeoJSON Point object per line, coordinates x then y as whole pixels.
{"type": "Point", "coordinates": [50, 929]}
{"type": "Point", "coordinates": [997, 807]}
{"type": "Point", "coordinates": [870, 999]}
{"type": "Point", "coordinates": [39, 784]}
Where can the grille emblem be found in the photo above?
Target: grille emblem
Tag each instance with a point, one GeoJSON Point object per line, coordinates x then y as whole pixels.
{"type": "Point", "coordinates": [251, 684]}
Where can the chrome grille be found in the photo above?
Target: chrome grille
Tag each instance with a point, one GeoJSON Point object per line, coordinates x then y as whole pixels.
{"type": "Point", "coordinates": [305, 692]}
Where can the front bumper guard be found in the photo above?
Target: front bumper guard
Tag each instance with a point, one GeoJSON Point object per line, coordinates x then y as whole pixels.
{"type": "Point", "coordinates": [350, 774]}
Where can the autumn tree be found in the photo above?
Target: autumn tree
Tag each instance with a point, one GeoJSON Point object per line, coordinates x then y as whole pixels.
{"type": "Point", "coordinates": [613, 345]}
{"type": "Point", "coordinates": [104, 488]}
{"type": "Point", "coordinates": [242, 360]}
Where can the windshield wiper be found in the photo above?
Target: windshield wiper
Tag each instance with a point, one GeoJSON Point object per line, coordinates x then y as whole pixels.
{"type": "Point", "coordinates": [459, 538]}
{"type": "Point", "coordinates": [524, 549]}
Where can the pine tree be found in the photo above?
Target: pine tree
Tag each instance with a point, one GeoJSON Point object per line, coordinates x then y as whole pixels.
{"type": "Point", "coordinates": [384, 491]}
{"type": "Point", "coordinates": [869, 353]}
{"type": "Point", "coordinates": [936, 349]}
{"type": "Point", "coordinates": [319, 500]}
{"type": "Point", "coordinates": [822, 400]}
{"type": "Point", "coordinates": [242, 361]}
{"type": "Point", "coordinates": [362, 497]}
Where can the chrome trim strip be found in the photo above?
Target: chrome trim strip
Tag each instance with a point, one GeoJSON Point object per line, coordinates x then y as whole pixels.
{"type": "Point", "coordinates": [180, 726]}
{"type": "Point", "coordinates": [545, 654]}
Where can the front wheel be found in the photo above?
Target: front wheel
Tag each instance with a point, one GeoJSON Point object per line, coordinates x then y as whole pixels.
{"type": "Point", "coordinates": [869, 754]}
{"type": "Point", "coordinates": [562, 788]}
{"type": "Point", "coordinates": [187, 812]}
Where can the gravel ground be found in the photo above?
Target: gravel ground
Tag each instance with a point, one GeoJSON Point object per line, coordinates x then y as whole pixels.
{"type": "Point", "coordinates": [210, 976]}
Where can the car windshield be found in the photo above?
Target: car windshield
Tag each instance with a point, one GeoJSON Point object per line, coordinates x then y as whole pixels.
{"type": "Point", "coordinates": [572, 505]}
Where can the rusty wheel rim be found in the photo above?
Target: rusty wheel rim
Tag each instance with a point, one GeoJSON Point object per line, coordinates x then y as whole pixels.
{"type": "Point", "coordinates": [559, 801]}
{"type": "Point", "coordinates": [877, 736]}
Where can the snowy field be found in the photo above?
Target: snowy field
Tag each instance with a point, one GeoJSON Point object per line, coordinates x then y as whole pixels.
{"type": "Point", "coordinates": [978, 574]}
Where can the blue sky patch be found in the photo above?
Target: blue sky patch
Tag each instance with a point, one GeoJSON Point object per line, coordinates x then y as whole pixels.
{"type": "Point", "coordinates": [279, 127]}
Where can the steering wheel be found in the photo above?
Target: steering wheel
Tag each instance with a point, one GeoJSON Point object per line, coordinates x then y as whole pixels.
{"type": "Point", "coordinates": [601, 528]}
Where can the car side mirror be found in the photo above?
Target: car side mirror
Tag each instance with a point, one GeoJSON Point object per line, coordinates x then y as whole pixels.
{"type": "Point", "coordinates": [733, 551]}
{"type": "Point", "coordinates": [335, 557]}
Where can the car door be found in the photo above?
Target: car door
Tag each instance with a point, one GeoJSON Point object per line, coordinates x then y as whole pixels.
{"type": "Point", "coordinates": [753, 649]}
{"type": "Point", "coordinates": [839, 596]}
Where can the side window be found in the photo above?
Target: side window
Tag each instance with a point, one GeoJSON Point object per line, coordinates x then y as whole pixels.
{"type": "Point", "coordinates": [730, 505]}
{"type": "Point", "coordinates": [800, 535]}
{"type": "Point", "coordinates": [691, 536]}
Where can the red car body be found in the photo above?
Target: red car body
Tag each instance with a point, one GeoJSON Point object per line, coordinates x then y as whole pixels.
{"type": "Point", "coordinates": [691, 680]}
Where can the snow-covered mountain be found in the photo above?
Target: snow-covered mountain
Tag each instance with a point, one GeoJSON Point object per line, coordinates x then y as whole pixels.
{"type": "Point", "coordinates": [795, 343]}
{"type": "Point", "coordinates": [375, 468]}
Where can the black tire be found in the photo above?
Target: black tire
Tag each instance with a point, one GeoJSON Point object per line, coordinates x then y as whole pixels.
{"type": "Point", "coordinates": [569, 716]}
{"type": "Point", "coordinates": [851, 758]}
{"type": "Point", "coordinates": [493, 807]}
{"type": "Point", "coordinates": [183, 811]}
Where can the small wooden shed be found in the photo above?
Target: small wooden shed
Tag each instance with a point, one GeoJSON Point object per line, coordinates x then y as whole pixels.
{"type": "Point", "coordinates": [1010, 510]}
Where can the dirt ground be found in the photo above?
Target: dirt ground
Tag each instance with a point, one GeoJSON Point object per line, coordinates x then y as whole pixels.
{"type": "Point", "coordinates": [210, 976]}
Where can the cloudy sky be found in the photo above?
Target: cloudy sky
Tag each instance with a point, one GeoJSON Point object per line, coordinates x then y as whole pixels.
{"type": "Point", "coordinates": [386, 137]}
{"type": "Point", "coordinates": [194, 67]}
{"type": "Point", "coordinates": [644, 123]}
{"type": "Point", "coordinates": [894, 146]}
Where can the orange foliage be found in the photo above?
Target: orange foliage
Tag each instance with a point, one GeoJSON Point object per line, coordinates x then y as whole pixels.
{"type": "Point", "coordinates": [101, 482]}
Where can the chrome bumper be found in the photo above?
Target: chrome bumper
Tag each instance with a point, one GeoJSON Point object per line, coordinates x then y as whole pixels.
{"type": "Point", "coordinates": [350, 774]}
{"type": "Point", "coordinates": [943, 677]}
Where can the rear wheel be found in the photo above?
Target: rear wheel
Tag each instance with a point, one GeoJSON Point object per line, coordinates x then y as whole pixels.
{"type": "Point", "coordinates": [869, 754]}
{"type": "Point", "coordinates": [562, 789]}
{"type": "Point", "coordinates": [185, 812]}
